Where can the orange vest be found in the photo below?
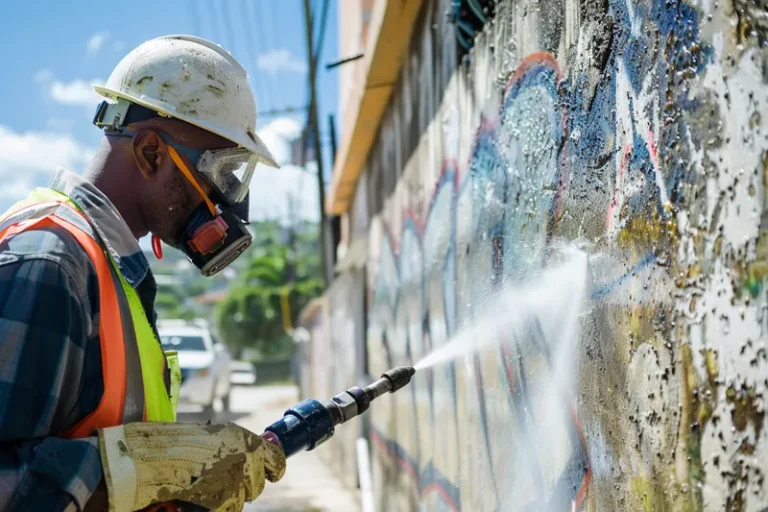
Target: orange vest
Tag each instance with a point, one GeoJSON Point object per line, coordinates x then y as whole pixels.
{"type": "Point", "coordinates": [123, 398]}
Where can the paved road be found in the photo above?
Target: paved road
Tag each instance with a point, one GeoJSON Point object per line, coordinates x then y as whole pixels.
{"type": "Point", "coordinates": [308, 484]}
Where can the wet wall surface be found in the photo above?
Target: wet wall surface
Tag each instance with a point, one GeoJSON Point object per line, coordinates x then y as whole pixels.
{"type": "Point", "coordinates": [633, 130]}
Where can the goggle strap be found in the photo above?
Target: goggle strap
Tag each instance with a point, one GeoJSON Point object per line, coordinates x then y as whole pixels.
{"type": "Point", "coordinates": [183, 167]}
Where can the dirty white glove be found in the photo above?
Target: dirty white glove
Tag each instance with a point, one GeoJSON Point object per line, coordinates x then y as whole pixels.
{"type": "Point", "coordinates": [219, 467]}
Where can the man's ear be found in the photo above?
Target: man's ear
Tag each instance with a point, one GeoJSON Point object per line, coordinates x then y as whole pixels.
{"type": "Point", "coordinates": [149, 153]}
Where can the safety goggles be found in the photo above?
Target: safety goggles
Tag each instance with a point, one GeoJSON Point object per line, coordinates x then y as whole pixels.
{"type": "Point", "coordinates": [229, 171]}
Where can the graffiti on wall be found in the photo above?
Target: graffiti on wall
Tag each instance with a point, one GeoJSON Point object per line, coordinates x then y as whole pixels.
{"type": "Point", "coordinates": [632, 128]}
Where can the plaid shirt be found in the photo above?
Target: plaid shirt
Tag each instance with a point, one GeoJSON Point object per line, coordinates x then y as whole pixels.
{"type": "Point", "coordinates": [50, 357]}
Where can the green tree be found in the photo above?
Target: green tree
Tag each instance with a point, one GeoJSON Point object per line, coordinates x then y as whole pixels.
{"type": "Point", "coordinates": [169, 304]}
{"type": "Point", "coordinates": [252, 315]}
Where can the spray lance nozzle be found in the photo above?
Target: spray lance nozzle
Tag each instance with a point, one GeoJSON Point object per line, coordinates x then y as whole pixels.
{"type": "Point", "coordinates": [310, 423]}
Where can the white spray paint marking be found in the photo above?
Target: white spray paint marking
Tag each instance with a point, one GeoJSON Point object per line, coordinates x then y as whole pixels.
{"type": "Point", "coordinates": [635, 24]}
{"type": "Point", "coordinates": [634, 113]}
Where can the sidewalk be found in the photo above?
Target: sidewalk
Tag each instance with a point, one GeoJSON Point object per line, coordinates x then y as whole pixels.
{"type": "Point", "coordinates": [308, 484]}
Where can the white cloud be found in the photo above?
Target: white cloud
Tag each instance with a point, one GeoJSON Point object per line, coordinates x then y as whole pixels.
{"type": "Point", "coordinates": [17, 189]}
{"type": "Point", "coordinates": [40, 151]}
{"type": "Point", "coordinates": [29, 159]}
{"type": "Point", "coordinates": [76, 92]}
{"type": "Point", "coordinates": [276, 192]}
{"type": "Point", "coordinates": [60, 125]}
{"type": "Point", "coordinates": [273, 190]}
{"type": "Point", "coordinates": [275, 61]}
{"type": "Point", "coordinates": [96, 41]}
{"type": "Point", "coordinates": [277, 135]}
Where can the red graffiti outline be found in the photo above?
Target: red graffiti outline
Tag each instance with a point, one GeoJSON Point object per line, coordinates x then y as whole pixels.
{"type": "Point", "coordinates": [531, 61]}
{"type": "Point", "coordinates": [616, 186]}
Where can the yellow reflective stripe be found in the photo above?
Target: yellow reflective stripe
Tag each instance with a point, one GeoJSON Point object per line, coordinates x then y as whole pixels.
{"type": "Point", "coordinates": [157, 402]}
{"type": "Point", "coordinates": [47, 194]}
{"type": "Point", "coordinates": [173, 364]}
{"type": "Point", "coordinates": [133, 407]}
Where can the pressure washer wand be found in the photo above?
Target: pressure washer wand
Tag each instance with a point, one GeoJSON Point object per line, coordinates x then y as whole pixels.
{"type": "Point", "coordinates": [310, 423]}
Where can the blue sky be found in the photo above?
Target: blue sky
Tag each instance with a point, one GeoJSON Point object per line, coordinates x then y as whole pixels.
{"type": "Point", "coordinates": [53, 51]}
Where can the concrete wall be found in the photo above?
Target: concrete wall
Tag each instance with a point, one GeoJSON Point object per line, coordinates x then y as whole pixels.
{"type": "Point", "coordinates": [345, 367]}
{"type": "Point", "coordinates": [633, 129]}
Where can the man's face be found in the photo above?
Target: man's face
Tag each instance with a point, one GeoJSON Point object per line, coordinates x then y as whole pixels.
{"type": "Point", "coordinates": [169, 199]}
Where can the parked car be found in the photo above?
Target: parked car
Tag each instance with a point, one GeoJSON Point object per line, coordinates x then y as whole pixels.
{"type": "Point", "coordinates": [205, 362]}
{"type": "Point", "coordinates": [243, 374]}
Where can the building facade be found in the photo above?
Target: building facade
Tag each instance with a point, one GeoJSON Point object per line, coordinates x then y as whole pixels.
{"type": "Point", "coordinates": [580, 199]}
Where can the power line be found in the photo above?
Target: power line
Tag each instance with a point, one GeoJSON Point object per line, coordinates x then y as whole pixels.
{"type": "Point", "coordinates": [215, 23]}
{"type": "Point", "coordinates": [244, 17]}
{"type": "Point", "coordinates": [207, 11]}
{"type": "Point", "coordinates": [334, 64]}
{"type": "Point", "coordinates": [194, 13]}
{"type": "Point", "coordinates": [249, 27]}
{"type": "Point", "coordinates": [264, 37]}
{"type": "Point", "coordinates": [277, 24]}
{"type": "Point", "coordinates": [321, 35]}
{"type": "Point", "coordinates": [281, 111]}
{"type": "Point", "coordinates": [227, 15]}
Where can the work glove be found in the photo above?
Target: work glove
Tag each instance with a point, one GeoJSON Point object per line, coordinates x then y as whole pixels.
{"type": "Point", "coordinates": [219, 467]}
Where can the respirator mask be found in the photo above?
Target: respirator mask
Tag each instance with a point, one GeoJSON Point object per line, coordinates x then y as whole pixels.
{"type": "Point", "coordinates": [215, 233]}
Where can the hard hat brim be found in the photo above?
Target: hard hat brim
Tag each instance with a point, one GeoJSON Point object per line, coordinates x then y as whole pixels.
{"type": "Point", "coordinates": [249, 140]}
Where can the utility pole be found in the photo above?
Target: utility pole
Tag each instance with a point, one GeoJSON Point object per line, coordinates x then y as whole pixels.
{"type": "Point", "coordinates": [313, 124]}
{"type": "Point", "coordinates": [334, 224]}
{"type": "Point", "coordinates": [332, 132]}
{"type": "Point", "coordinates": [290, 267]}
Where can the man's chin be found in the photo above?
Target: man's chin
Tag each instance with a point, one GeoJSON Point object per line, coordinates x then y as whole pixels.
{"type": "Point", "coordinates": [174, 244]}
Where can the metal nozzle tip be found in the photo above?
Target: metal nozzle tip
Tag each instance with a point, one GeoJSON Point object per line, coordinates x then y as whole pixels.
{"type": "Point", "coordinates": [399, 376]}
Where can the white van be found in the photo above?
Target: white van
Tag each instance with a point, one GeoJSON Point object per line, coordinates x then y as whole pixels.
{"type": "Point", "coordinates": [205, 362]}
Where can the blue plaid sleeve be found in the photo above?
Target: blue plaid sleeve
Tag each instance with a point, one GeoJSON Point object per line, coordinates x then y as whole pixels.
{"type": "Point", "coordinates": [45, 325]}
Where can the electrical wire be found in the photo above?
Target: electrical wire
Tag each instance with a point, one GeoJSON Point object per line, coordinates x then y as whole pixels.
{"type": "Point", "coordinates": [477, 10]}
{"type": "Point", "coordinates": [461, 27]}
{"type": "Point", "coordinates": [223, 40]}
{"type": "Point", "coordinates": [266, 38]}
{"type": "Point", "coordinates": [227, 15]}
{"type": "Point", "coordinates": [276, 34]}
{"type": "Point", "coordinates": [248, 47]}
{"type": "Point", "coordinates": [321, 35]}
{"type": "Point", "coordinates": [249, 27]}
{"type": "Point", "coordinates": [207, 13]}
{"type": "Point", "coordinates": [194, 13]}
{"type": "Point", "coordinates": [467, 28]}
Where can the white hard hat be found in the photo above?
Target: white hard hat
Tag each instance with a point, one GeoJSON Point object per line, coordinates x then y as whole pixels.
{"type": "Point", "coordinates": [194, 80]}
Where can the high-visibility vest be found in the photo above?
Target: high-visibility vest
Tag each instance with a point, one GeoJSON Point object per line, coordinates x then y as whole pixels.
{"type": "Point", "coordinates": [132, 359]}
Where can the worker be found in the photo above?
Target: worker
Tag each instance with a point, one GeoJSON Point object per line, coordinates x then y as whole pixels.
{"type": "Point", "coordinates": [87, 395]}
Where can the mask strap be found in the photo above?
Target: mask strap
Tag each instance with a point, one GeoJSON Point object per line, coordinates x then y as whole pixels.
{"type": "Point", "coordinates": [185, 171]}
